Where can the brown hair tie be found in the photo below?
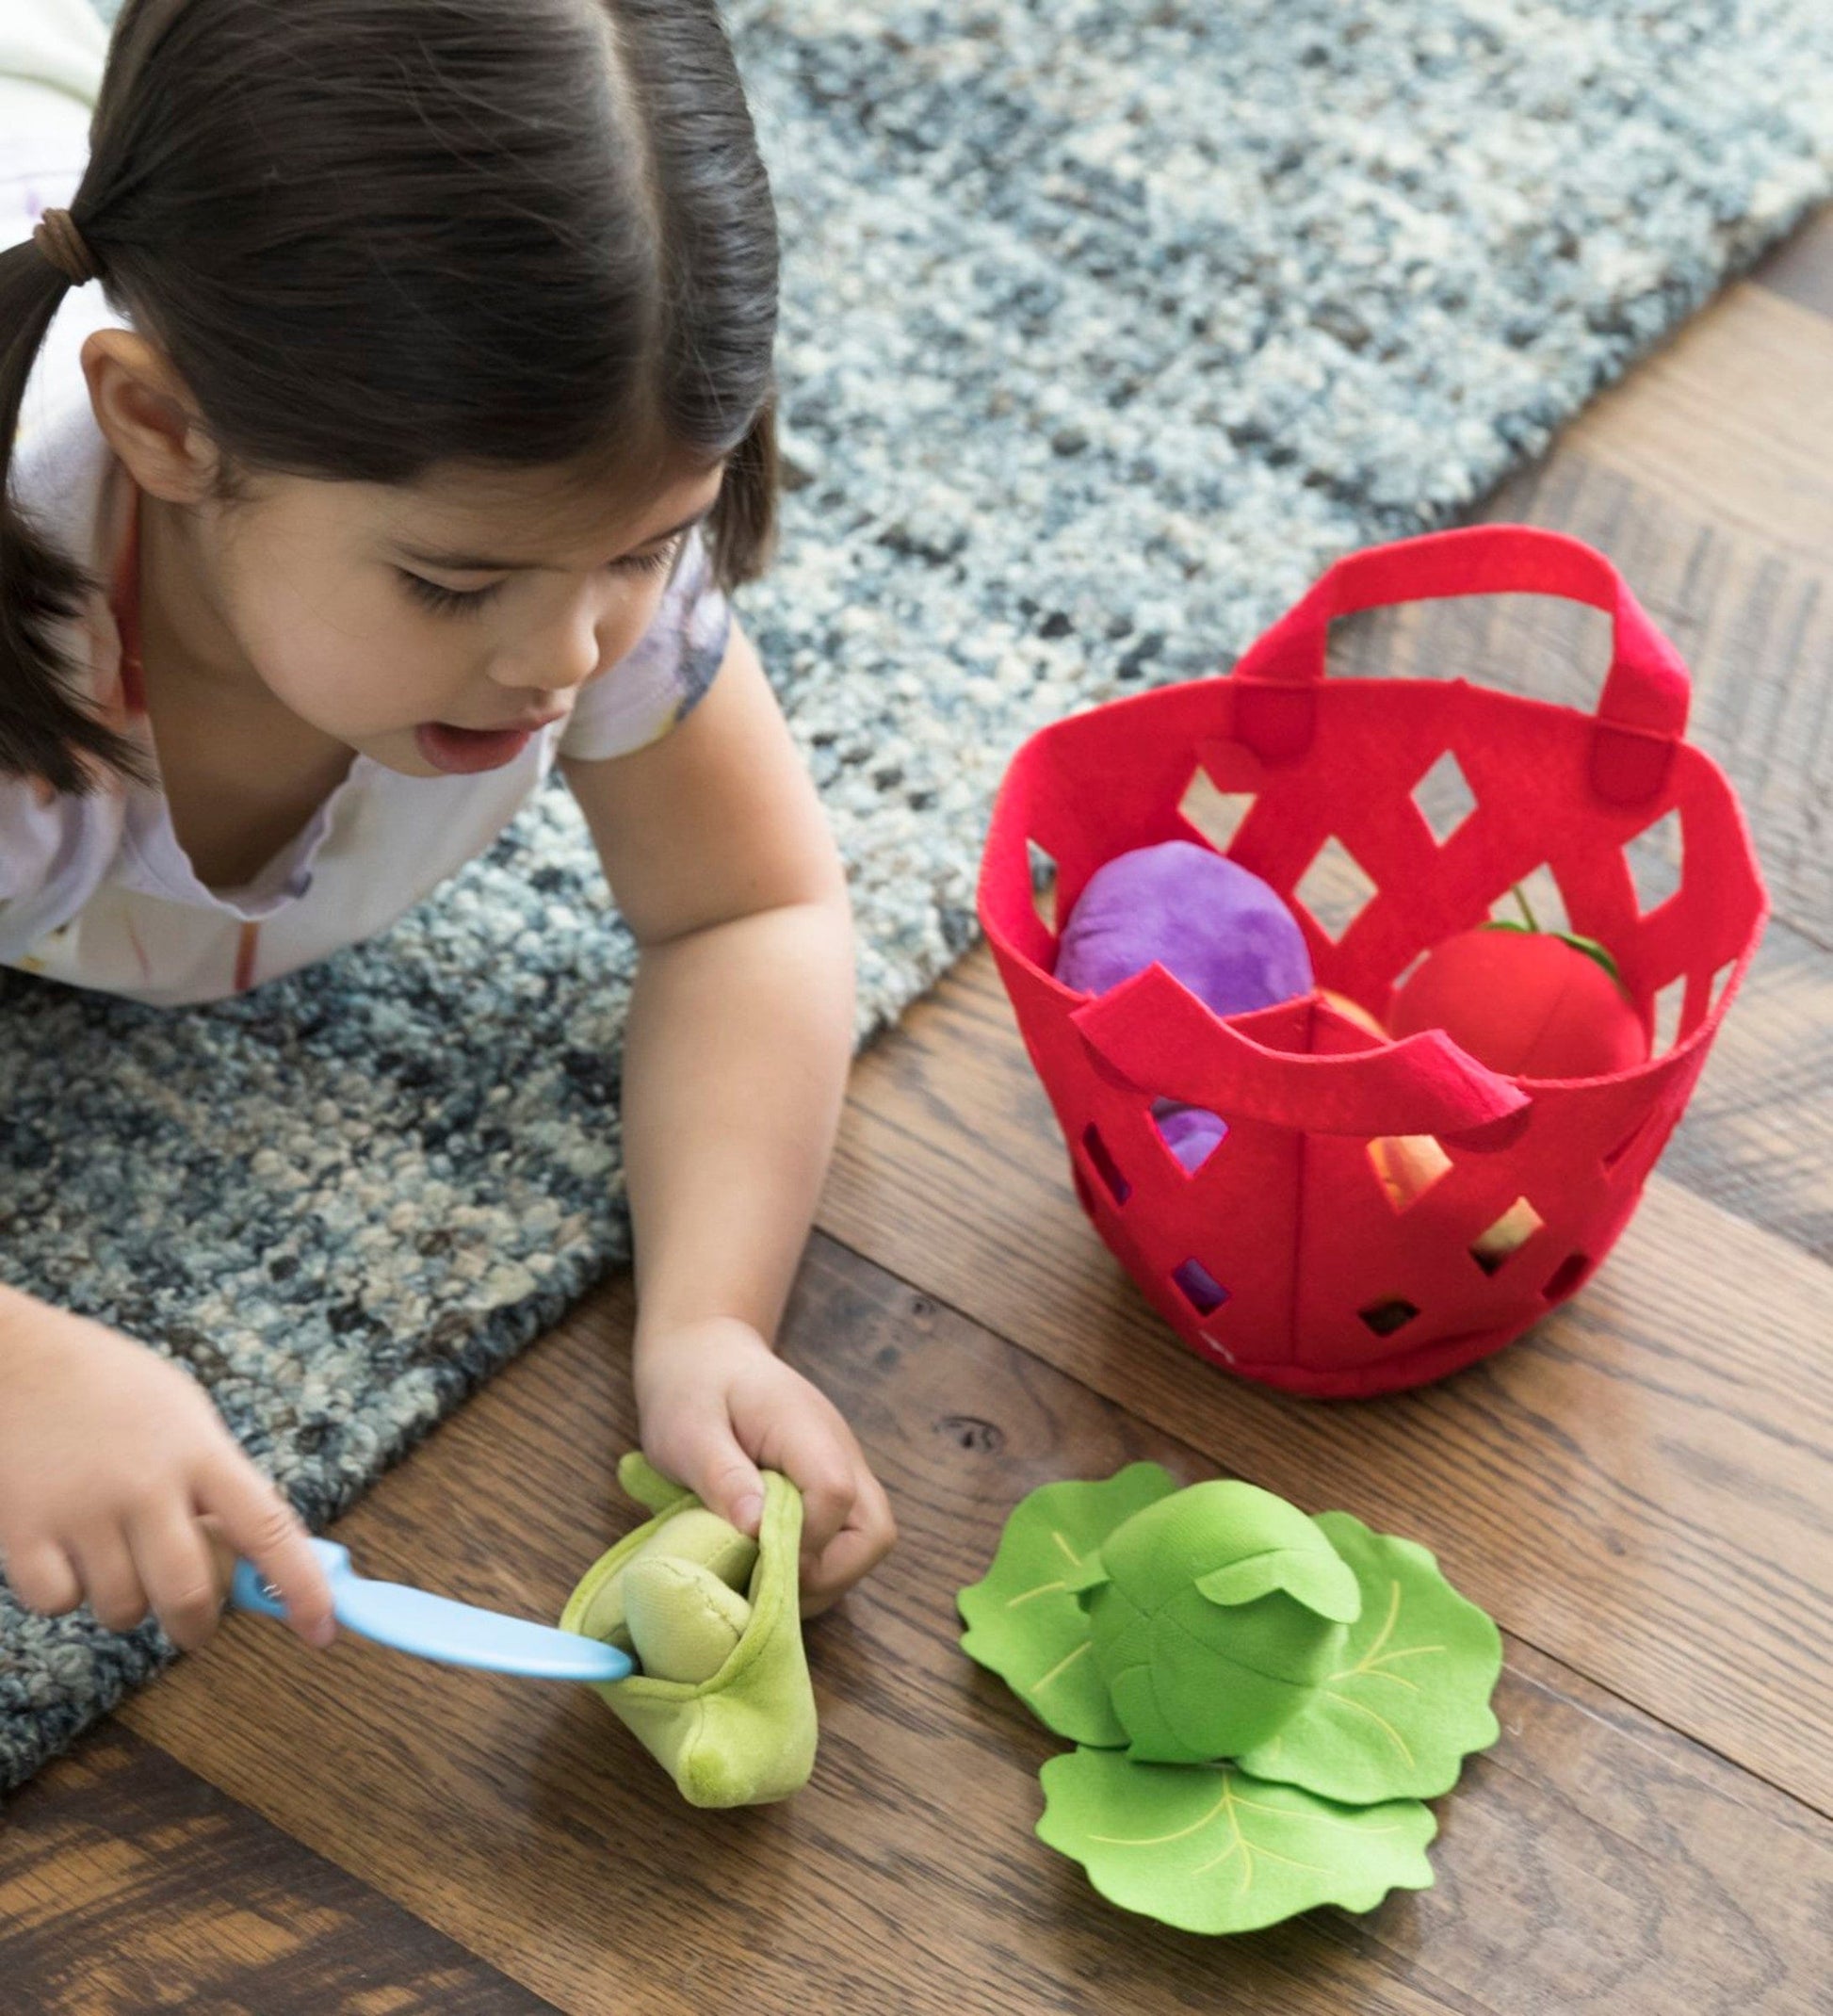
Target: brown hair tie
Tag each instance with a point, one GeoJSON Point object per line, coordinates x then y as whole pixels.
{"type": "Point", "coordinates": [59, 241]}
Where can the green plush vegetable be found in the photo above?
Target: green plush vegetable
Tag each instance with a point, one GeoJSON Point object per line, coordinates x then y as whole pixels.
{"type": "Point", "coordinates": [1214, 1611]}
{"type": "Point", "coordinates": [1024, 1620]}
{"type": "Point", "coordinates": [1409, 1695]}
{"type": "Point", "coordinates": [1337, 1666]}
{"type": "Point", "coordinates": [1211, 1849]}
{"type": "Point", "coordinates": [693, 1533]}
{"type": "Point", "coordinates": [747, 1732]}
{"type": "Point", "coordinates": [684, 1623]}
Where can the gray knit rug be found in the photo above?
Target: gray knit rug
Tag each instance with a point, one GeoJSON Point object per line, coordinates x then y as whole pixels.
{"type": "Point", "coordinates": [1107, 324]}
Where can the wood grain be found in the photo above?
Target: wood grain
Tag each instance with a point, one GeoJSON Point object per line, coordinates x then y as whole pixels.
{"type": "Point", "coordinates": [1640, 1489]}
{"type": "Point", "coordinates": [1728, 421]}
{"type": "Point", "coordinates": [127, 1884]}
{"type": "Point", "coordinates": [1758, 1136]}
{"type": "Point", "coordinates": [1591, 1854]}
{"type": "Point", "coordinates": [1801, 266]}
{"type": "Point", "coordinates": [904, 1875]}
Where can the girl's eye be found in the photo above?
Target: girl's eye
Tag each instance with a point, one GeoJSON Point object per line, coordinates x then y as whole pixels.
{"type": "Point", "coordinates": [454, 601]}
{"type": "Point", "coordinates": [462, 601]}
{"type": "Point", "coordinates": [655, 562]}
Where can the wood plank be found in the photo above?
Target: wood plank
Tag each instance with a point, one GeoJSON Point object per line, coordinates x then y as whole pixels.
{"type": "Point", "coordinates": [564, 1856]}
{"type": "Point", "coordinates": [1662, 1441]}
{"type": "Point", "coordinates": [1729, 420]}
{"type": "Point", "coordinates": [1801, 268]}
{"type": "Point", "coordinates": [1590, 1853]}
{"type": "Point", "coordinates": [127, 1883]}
{"type": "Point", "coordinates": [1758, 1135]}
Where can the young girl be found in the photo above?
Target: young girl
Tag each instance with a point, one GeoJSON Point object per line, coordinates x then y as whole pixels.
{"type": "Point", "coordinates": [417, 428]}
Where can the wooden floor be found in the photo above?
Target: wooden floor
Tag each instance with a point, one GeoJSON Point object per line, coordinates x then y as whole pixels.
{"type": "Point", "coordinates": [1640, 1493]}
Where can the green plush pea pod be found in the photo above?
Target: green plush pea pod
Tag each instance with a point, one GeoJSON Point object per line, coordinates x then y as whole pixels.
{"type": "Point", "coordinates": [747, 1734]}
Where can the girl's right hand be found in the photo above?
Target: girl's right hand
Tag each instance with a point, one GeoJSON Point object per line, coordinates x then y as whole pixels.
{"type": "Point", "coordinates": [120, 1483]}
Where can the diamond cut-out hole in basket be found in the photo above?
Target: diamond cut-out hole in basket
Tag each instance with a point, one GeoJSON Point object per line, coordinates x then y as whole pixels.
{"type": "Point", "coordinates": [1412, 967]}
{"type": "Point", "coordinates": [1336, 888]}
{"type": "Point", "coordinates": [1044, 887]}
{"type": "Point", "coordinates": [1217, 815]}
{"type": "Point", "coordinates": [1105, 1166]}
{"type": "Point", "coordinates": [1493, 1247]}
{"type": "Point", "coordinates": [1444, 797]}
{"type": "Point", "coordinates": [1200, 1288]}
{"type": "Point", "coordinates": [1191, 1133]}
{"type": "Point", "coordinates": [1385, 1318]}
{"type": "Point", "coordinates": [1545, 901]}
{"type": "Point", "coordinates": [1669, 1003]}
{"type": "Point", "coordinates": [1654, 858]}
{"type": "Point", "coordinates": [1407, 1165]}
{"type": "Point", "coordinates": [1721, 979]}
{"type": "Point", "coordinates": [1571, 1271]}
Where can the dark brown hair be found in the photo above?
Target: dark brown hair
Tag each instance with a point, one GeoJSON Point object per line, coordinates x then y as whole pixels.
{"type": "Point", "coordinates": [376, 235]}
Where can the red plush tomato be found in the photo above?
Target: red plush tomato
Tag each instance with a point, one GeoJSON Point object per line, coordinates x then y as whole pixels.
{"type": "Point", "coordinates": [1532, 1003]}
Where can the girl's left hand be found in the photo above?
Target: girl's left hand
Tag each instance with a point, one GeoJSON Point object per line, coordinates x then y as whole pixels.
{"type": "Point", "coordinates": [715, 1402]}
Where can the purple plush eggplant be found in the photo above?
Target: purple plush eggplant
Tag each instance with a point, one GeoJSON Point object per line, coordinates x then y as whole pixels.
{"type": "Point", "coordinates": [1192, 1134]}
{"type": "Point", "coordinates": [1209, 922]}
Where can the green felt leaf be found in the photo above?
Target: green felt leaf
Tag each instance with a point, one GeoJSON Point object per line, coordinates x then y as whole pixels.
{"type": "Point", "coordinates": [1024, 1620]}
{"type": "Point", "coordinates": [1591, 948]}
{"type": "Point", "coordinates": [1317, 1583]}
{"type": "Point", "coordinates": [1408, 1699]}
{"type": "Point", "coordinates": [1209, 1848]}
{"type": "Point", "coordinates": [1224, 1606]}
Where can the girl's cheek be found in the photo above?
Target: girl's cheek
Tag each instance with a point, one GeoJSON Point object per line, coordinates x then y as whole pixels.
{"type": "Point", "coordinates": [359, 679]}
{"type": "Point", "coordinates": [619, 635]}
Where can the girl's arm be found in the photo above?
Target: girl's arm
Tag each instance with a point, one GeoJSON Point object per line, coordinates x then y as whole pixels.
{"type": "Point", "coordinates": [719, 852]}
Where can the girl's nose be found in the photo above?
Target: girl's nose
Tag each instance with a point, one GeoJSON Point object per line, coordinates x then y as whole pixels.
{"type": "Point", "coordinates": [576, 648]}
{"type": "Point", "coordinates": [587, 636]}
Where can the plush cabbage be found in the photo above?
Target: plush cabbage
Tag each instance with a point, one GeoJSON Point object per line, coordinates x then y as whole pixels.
{"type": "Point", "coordinates": [1213, 1613]}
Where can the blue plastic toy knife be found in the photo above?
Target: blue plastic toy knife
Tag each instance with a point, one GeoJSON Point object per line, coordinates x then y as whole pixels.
{"type": "Point", "coordinates": [439, 1627]}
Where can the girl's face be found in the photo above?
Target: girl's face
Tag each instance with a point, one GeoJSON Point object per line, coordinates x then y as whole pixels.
{"type": "Point", "coordinates": [479, 600]}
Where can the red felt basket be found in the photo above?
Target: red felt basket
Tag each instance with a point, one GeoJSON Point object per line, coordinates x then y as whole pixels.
{"type": "Point", "coordinates": [1284, 1256]}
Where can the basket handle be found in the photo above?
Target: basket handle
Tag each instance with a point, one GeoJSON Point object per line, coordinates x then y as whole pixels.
{"type": "Point", "coordinates": [1641, 714]}
{"type": "Point", "coordinates": [1166, 1044]}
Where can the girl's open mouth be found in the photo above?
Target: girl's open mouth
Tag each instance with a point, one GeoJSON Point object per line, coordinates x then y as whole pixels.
{"type": "Point", "coordinates": [464, 749]}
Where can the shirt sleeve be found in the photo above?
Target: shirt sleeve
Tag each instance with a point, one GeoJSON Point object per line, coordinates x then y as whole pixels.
{"type": "Point", "coordinates": [663, 678]}
{"type": "Point", "coordinates": [51, 855]}
{"type": "Point", "coordinates": [33, 819]}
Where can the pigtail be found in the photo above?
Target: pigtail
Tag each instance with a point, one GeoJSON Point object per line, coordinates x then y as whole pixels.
{"type": "Point", "coordinates": [45, 730]}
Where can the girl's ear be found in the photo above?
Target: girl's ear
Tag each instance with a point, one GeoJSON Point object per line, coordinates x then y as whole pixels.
{"type": "Point", "coordinates": [741, 527]}
{"type": "Point", "coordinates": [148, 415]}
